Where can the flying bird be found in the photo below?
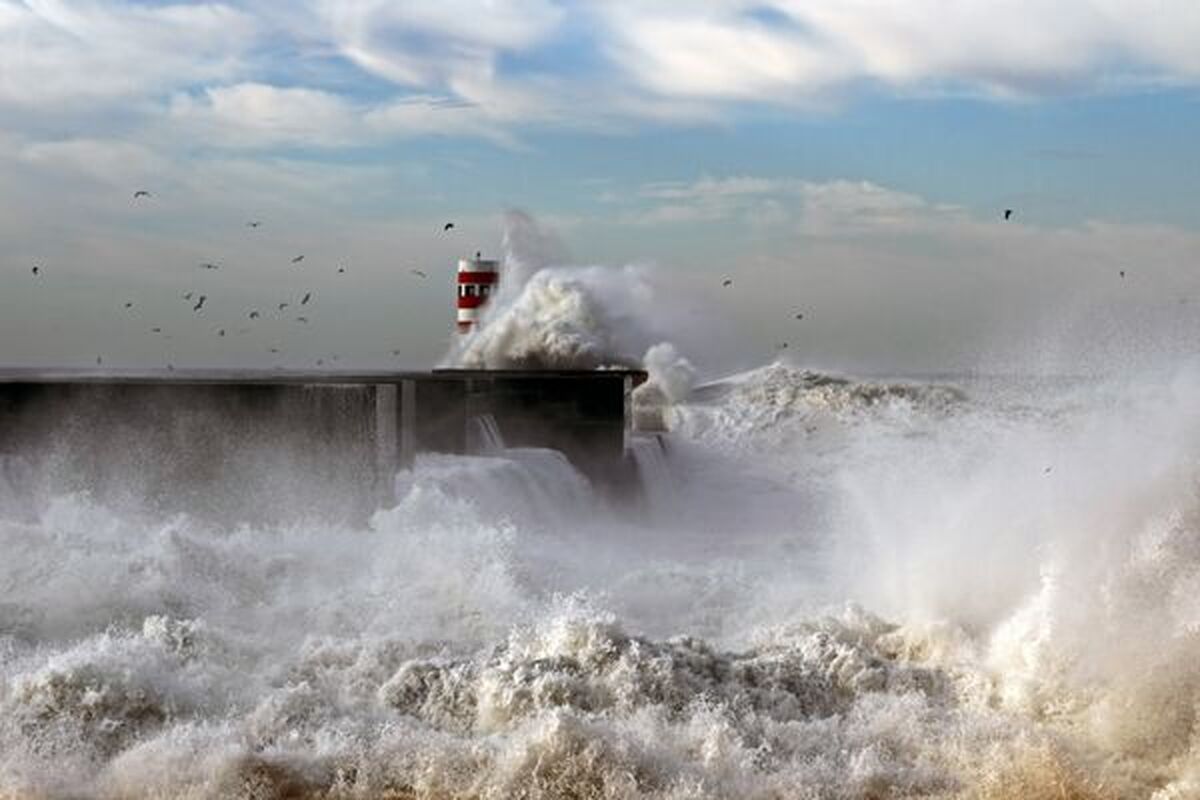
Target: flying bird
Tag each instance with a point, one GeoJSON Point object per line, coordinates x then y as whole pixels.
{"type": "Point", "coordinates": [799, 316]}
{"type": "Point", "coordinates": [447, 226]}
{"type": "Point", "coordinates": [297, 259]}
{"type": "Point", "coordinates": [727, 282]}
{"type": "Point", "coordinates": [253, 315]}
{"type": "Point", "coordinates": [253, 224]}
{"type": "Point", "coordinates": [1122, 273]}
{"type": "Point", "coordinates": [188, 296]}
{"type": "Point", "coordinates": [129, 305]}
{"type": "Point", "coordinates": [1008, 212]}
{"type": "Point", "coordinates": [209, 265]}
{"type": "Point", "coordinates": [36, 270]}
{"type": "Point", "coordinates": [307, 297]}
{"type": "Point", "coordinates": [418, 273]}
{"type": "Point", "coordinates": [200, 303]}
{"type": "Point", "coordinates": [341, 270]}
{"type": "Point", "coordinates": [302, 319]}
{"type": "Point", "coordinates": [274, 349]}
{"type": "Point", "coordinates": [282, 306]}
{"type": "Point", "coordinates": [221, 332]}
{"type": "Point", "coordinates": [156, 330]}
{"type": "Point", "coordinates": [140, 193]}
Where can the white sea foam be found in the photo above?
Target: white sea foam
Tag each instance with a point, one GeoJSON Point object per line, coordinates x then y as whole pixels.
{"type": "Point", "coordinates": [899, 603]}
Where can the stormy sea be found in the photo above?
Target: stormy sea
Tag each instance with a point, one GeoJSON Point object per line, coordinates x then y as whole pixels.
{"type": "Point", "coordinates": [829, 587]}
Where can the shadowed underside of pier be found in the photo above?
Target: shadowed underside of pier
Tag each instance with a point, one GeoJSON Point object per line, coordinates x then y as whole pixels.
{"type": "Point", "coordinates": [250, 446]}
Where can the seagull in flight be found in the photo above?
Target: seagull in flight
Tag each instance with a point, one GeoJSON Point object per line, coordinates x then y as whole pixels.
{"type": "Point", "coordinates": [341, 270]}
{"type": "Point", "coordinates": [297, 259]}
{"type": "Point", "coordinates": [447, 226]}
{"type": "Point", "coordinates": [727, 282]}
{"type": "Point", "coordinates": [1008, 212]}
{"type": "Point", "coordinates": [418, 273]}
{"type": "Point", "coordinates": [799, 316]}
{"type": "Point", "coordinates": [253, 315]}
{"type": "Point", "coordinates": [200, 303]}
{"type": "Point", "coordinates": [307, 297]}
{"type": "Point", "coordinates": [36, 270]}
{"type": "Point", "coordinates": [282, 306]}
{"type": "Point", "coordinates": [140, 193]}
{"type": "Point", "coordinates": [129, 305]}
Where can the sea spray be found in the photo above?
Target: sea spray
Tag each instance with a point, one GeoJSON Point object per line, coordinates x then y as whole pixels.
{"type": "Point", "coordinates": [964, 588]}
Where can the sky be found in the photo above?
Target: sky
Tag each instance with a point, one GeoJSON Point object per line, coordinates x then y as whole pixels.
{"type": "Point", "coordinates": [847, 161]}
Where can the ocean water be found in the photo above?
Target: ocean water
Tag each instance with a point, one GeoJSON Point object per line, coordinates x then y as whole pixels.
{"type": "Point", "coordinates": [834, 588]}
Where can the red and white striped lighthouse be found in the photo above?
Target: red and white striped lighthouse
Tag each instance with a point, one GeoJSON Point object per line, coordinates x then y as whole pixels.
{"type": "Point", "coordinates": [477, 281]}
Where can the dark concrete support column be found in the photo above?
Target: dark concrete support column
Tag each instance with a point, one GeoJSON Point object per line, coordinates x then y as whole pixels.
{"type": "Point", "coordinates": [408, 422]}
{"type": "Point", "coordinates": [387, 444]}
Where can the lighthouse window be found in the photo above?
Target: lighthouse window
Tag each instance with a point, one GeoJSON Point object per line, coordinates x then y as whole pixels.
{"type": "Point", "coordinates": [470, 289]}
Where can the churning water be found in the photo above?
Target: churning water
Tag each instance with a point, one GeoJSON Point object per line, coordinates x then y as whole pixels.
{"type": "Point", "coordinates": [851, 589]}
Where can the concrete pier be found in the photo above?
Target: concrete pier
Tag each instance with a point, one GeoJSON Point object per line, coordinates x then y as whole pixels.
{"type": "Point", "coordinates": [243, 445]}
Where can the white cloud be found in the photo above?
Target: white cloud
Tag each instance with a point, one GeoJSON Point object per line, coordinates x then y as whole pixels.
{"type": "Point", "coordinates": [724, 50]}
{"type": "Point", "coordinates": [818, 208]}
{"type": "Point", "coordinates": [255, 114]}
{"type": "Point", "coordinates": [55, 54]}
{"type": "Point", "coordinates": [497, 67]}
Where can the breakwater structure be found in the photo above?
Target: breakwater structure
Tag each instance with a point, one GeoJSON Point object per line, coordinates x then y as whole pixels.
{"type": "Point", "coordinates": [246, 445]}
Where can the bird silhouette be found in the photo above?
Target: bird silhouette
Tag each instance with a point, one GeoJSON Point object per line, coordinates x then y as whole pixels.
{"type": "Point", "coordinates": [129, 305]}
{"type": "Point", "coordinates": [418, 273]}
{"type": "Point", "coordinates": [36, 270]}
{"type": "Point", "coordinates": [140, 193]}
{"type": "Point", "coordinates": [188, 295]}
{"type": "Point", "coordinates": [799, 316]}
{"type": "Point", "coordinates": [302, 319]}
{"type": "Point", "coordinates": [221, 333]}
{"type": "Point", "coordinates": [253, 224]}
{"type": "Point", "coordinates": [200, 303]}
{"type": "Point", "coordinates": [253, 315]}
{"type": "Point", "coordinates": [1008, 212]}
{"type": "Point", "coordinates": [727, 282]}
{"type": "Point", "coordinates": [341, 270]}
{"type": "Point", "coordinates": [447, 226]}
{"type": "Point", "coordinates": [307, 297]}
{"type": "Point", "coordinates": [282, 306]}
{"type": "Point", "coordinates": [209, 265]}
{"type": "Point", "coordinates": [1122, 273]}
{"type": "Point", "coordinates": [274, 349]}
{"type": "Point", "coordinates": [156, 330]}
{"type": "Point", "coordinates": [297, 259]}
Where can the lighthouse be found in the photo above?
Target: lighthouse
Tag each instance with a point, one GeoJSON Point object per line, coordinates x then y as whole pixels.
{"type": "Point", "coordinates": [477, 281]}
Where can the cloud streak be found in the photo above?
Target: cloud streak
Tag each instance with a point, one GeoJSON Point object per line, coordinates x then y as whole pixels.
{"type": "Point", "coordinates": [513, 65]}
